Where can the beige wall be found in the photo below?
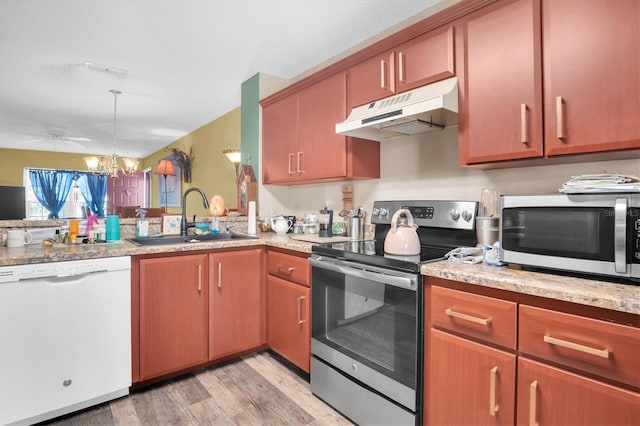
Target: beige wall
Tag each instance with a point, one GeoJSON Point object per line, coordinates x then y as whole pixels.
{"type": "Point", "coordinates": [211, 171]}
{"type": "Point", "coordinates": [14, 161]}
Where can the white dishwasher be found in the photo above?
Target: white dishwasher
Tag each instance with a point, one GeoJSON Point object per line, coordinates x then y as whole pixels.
{"type": "Point", "coordinates": [65, 337]}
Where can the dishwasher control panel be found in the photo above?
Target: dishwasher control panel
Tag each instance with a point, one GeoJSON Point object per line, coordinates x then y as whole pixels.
{"type": "Point", "coordinates": [62, 269]}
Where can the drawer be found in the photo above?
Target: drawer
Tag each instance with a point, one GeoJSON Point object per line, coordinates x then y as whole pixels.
{"type": "Point", "coordinates": [289, 267]}
{"type": "Point", "coordinates": [597, 347]}
{"type": "Point", "coordinates": [485, 318]}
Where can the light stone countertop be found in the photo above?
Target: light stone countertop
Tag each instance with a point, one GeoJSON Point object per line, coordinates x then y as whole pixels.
{"type": "Point", "coordinates": [602, 294]}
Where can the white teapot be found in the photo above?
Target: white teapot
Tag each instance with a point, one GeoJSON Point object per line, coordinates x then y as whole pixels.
{"type": "Point", "coordinates": [281, 225]}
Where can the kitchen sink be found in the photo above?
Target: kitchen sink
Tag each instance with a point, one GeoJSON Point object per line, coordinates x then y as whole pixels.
{"type": "Point", "coordinates": [155, 241]}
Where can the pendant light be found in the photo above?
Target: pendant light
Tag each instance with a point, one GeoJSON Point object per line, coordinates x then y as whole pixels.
{"type": "Point", "coordinates": [108, 165]}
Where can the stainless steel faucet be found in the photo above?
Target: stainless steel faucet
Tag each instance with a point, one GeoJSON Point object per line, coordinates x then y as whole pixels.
{"type": "Point", "coordinates": [205, 202]}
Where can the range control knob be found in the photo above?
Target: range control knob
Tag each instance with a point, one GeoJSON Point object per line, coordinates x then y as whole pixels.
{"type": "Point", "coordinates": [466, 215]}
{"type": "Point", "coordinates": [375, 211]}
{"type": "Point", "coordinates": [383, 211]}
{"type": "Point", "coordinates": [455, 214]}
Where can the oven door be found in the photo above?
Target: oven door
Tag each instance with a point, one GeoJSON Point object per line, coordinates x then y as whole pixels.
{"type": "Point", "coordinates": [366, 323]}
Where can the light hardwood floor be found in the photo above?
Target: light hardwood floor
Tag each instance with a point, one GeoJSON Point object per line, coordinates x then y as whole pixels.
{"type": "Point", "coordinates": [254, 390]}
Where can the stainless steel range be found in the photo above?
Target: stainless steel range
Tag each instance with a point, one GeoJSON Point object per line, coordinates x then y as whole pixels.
{"type": "Point", "coordinates": [367, 316]}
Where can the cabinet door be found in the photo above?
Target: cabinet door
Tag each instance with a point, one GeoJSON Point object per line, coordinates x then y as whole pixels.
{"type": "Point", "coordinates": [280, 140]}
{"type": "Point", "coordinates": [425, 59]}
{"type": "Point", "coordinates": [321, 152]}
{"type": "Point", "coordinates": [235, 302]}
{"type": "Point", "coordinates": [550, 396]}
{"type": "Point", "coordinates": [173, 314]}
{"type": "Point", "coordinates": [372, 79]}
{"type": "Point", "coordinates": [288, 317]}
{"type": "Point", "coordinates": [591, 68]}
{"type": "Point", "coordinates": [470, 384]}
{"type": "Point", "coordinates": [501, 114]}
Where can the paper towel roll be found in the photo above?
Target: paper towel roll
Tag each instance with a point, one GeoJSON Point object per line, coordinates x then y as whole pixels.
{"type": "Point", "coordinates": [251, 219]}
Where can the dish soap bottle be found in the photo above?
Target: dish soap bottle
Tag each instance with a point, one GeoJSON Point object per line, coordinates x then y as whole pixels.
{"type": "Point", "coordinates": [142, 225]}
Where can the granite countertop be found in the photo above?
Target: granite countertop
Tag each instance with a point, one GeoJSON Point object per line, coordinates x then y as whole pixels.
{"type": "Point", "coordinates": [602, 294]}
{"type": "Point", "coordinates": [614, 296]}
{"type": "Point", "coordinates": [38, 254]}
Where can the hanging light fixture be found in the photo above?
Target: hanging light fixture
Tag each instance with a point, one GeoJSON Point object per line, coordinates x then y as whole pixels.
{"type": "Point", "coordinates": [108, 165]}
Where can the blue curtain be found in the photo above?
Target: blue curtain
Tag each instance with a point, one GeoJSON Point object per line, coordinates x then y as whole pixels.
{"type": "Point", "coordinates": [51, 188]}
{"type": "Point", "coordinates": [94, 191]}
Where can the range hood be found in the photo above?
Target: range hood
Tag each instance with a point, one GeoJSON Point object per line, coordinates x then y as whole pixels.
{"type": "Point", "coordinates": [425, 109]}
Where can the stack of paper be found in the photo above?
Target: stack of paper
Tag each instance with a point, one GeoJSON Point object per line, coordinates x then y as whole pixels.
{"type": "Point", "coordinates": [604, 182]}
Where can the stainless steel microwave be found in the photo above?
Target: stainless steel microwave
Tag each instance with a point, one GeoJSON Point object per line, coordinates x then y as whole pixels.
{"type": "Point", "coordinates": [597, 233]}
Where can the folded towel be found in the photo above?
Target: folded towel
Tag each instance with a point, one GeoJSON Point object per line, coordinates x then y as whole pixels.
{"type": "Point", "coordinates": [468, 255]}
{"type": "Point", "coordinates": [603, 182]}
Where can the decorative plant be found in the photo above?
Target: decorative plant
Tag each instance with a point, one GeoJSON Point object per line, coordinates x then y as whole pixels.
{"type": "Point", "coordinates": [183, 160]}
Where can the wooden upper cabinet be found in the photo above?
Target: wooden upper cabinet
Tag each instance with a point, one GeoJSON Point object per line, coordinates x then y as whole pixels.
{"type": "Point", "coordinates": [321, 152]}
{"type": "Point", "coordinates": [572, 63]}
{"type": "Point", "coordinates": [592, 75]}
{"type": "Point", "coordinates": [420, 61]}
{"type": "Point", "coordinates": [372, 79]}
{"type": "Point", "coordinates": [501, 112]}
{"type": "Point", "coordinates": [299, 140]}
{"type": "Point", "coordinates": [425, 59]}
{"type": "Point", "coordinates": [280, 140]}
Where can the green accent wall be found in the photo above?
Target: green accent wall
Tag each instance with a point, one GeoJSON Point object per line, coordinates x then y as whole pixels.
{"type": "Point", "coordinates": [250, 123]}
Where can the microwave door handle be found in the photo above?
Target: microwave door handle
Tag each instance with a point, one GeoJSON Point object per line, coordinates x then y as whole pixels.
{"type": "Point", "coordinates": [620, 235]}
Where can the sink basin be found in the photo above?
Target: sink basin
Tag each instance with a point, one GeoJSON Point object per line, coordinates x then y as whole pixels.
{"type": "Point", "coordinates": [155, 241]}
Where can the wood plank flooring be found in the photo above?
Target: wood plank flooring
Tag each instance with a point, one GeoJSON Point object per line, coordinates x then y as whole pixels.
{"type": "Point", "coordinates": [254, 390]}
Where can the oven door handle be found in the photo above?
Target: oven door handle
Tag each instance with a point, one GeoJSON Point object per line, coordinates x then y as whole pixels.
{"type": "Point", "coordinates": [408, 282]}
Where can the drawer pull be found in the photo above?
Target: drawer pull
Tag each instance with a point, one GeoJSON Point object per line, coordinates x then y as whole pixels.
{"type": "Point", "coordinates": [300, 299]}
{"type": "Point", "coordinates": [493, 408]}
{"type": "Point", "coordinates": [289, 270]}
{"type": "Point", "coordinates": [533, 390]}
{"type": "Point", "coordinates": [482, 321]}
{"type": "Point", "coordinates": [602, 353]}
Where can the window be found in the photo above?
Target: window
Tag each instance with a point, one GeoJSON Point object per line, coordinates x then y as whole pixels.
{"type": "Point", "coordinates": [74, 206]}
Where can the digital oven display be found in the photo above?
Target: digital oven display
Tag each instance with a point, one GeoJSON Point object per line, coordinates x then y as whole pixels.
{"type": "Point", "coordinates": [421, 212]}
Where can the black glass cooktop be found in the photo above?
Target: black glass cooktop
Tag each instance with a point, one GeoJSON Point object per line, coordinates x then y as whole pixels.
{"type": "Point", "coordinates": [372, 253]}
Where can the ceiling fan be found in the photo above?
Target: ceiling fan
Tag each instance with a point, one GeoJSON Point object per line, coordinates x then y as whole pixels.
{"type": "Point", "coordinates": [59, 136]}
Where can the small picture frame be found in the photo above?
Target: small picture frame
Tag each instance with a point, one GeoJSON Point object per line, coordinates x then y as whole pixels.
{"type": "Point", "coordinates": [171, 224]}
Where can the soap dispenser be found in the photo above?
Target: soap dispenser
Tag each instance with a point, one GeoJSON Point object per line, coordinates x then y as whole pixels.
{"type": "Point", "coordinates": [142, 225]}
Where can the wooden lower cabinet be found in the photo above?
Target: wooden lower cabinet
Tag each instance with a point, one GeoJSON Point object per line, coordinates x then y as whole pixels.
{"type": "Point", "coordinates": [288, 317]}
{"type": "Point", "coordinates": [470, 383]}
{"type": "Point", "coordinates": [236, 302]}
{"type": "Point", "coordinates": [173, 314]}
{"type": "Point", "coordinates": [551, 396]}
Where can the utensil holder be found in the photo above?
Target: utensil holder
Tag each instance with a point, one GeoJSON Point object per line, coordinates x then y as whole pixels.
{"type": "Point", "coordinates": [355, 228]}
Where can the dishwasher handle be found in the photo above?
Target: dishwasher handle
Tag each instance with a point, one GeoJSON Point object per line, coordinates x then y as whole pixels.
{"type": "Point", "coordinates": [384, 276]}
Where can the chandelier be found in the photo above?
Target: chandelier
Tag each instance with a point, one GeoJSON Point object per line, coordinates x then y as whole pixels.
{"type": "Point", "coordinates": [108, 165]}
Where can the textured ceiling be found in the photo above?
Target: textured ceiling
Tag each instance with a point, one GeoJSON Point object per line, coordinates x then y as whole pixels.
{"type": "Point", "coordinates": [184, 60]}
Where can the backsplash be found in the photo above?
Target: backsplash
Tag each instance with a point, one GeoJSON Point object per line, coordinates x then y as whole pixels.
{"type": "Point", "coordinates": [426, 167]}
